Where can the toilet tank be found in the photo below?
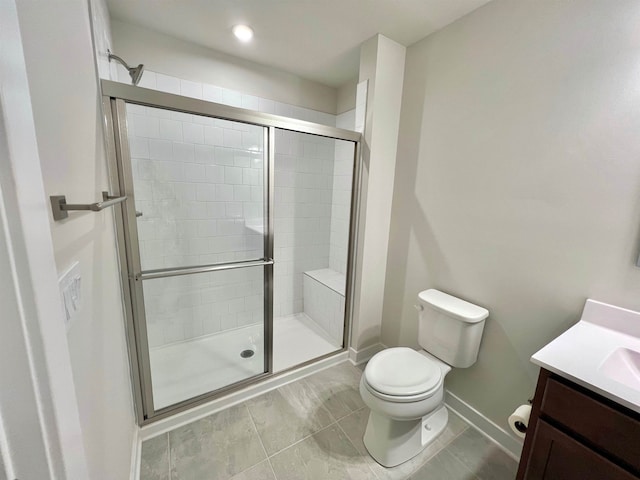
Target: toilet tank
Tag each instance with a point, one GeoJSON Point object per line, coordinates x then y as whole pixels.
{"type": "Point", "coordinates": [450, 328]}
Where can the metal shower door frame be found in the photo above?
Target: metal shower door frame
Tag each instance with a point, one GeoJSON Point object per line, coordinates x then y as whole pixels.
{"type": "Point", "coordinates": [115, 97]}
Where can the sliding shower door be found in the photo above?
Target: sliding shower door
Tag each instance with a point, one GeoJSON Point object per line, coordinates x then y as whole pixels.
{"type": "Point", "coordinates": [212, 192]}
{"type": "Point", "coordinates": [196, 219]}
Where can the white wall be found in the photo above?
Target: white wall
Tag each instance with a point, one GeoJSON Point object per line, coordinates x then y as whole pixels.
{"type": "Point", "coordinates": [171, 56]}
{"type": "Point", "coordinates": [40, 432]}
{"type": "Point", "coordinates": [102, 39]}
{"type": "Point", "coordinates": [68, 122]}
{"type": "Point", "coordinates": [518, 180]}
{"type": "Point", "coordinates": [346, 97]}
{"type": "Point", "coordinates": [381, 65]}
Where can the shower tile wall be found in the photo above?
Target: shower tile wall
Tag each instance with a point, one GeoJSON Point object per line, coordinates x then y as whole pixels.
{"type": "Point", "coordinates": [341, 199]}
{"type": "Point", "coordinates": [199, 187]}
{"type": "Point", "coordinates": [302, 214]}
{"type": "Point", "coordinates": [198, 184]}
{"type": "Point", "coordinates": [212, 93]}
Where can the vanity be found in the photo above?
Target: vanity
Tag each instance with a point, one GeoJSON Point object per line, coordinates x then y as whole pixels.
{"type": "Point", "coordinates": [585, 419]}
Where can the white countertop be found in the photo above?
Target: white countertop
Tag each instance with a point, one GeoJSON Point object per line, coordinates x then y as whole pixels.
{"type": "Point", "coordinates": [580, 352]}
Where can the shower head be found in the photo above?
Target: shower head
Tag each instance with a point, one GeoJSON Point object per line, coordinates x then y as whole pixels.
{"type": "Point", "coordinates": [134, 72]}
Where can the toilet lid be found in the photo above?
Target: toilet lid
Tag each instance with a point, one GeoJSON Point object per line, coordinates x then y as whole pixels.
{"type": "Point", "coordinates": [402, 371]}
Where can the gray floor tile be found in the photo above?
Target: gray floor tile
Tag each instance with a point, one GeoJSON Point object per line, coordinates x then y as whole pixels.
{"type": "Point", "coordinates": [154, 464]}
{"type": "Point", "coordinates": [327, 455]}
{"type": "Point", "coordinates": [483, 457]}
{"type": "Point", "coordinates": [338, 389]}
{"type": "Point", "coordinates": [287, 415]}
{"type": "Point", "coordinates": [216, 447]}
{"type": "Point", "coordinates": [355, 424]}
{"type": "Point", "coordinates": [443, 466]}
{"type": "Point", "coordinates": [261, 471]}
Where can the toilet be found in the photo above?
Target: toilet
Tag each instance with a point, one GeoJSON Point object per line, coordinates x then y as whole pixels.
{"type": "Point", "coordinates": [404, 388]}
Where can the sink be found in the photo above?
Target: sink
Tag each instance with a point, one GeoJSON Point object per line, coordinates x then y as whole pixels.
{"type": "Point", "coordinates": [623, 366]}
{"type": "Point", "coordinates": [601, 353]}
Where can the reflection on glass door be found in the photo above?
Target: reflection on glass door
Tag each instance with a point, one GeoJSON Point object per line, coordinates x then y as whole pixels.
{"type": "Point", "coordinates": [197, 224]}
{"type": "Point", "coordinates": [313, 178]}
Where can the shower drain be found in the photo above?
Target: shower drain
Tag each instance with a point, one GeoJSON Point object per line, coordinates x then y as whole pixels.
{"type": "Point", "coordinates": [247, 353]}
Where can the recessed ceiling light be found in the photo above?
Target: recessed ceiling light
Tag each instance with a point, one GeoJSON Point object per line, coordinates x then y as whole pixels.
{"type": "Point", "coordinates": [244, 33]}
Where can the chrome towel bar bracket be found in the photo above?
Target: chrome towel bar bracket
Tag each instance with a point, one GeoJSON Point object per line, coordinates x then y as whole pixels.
{"type": "Point", "coordinates": [60, 207]}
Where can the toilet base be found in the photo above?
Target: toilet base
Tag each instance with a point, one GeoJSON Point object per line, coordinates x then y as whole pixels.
{"type": "Point", "coordinates": [392, 442]}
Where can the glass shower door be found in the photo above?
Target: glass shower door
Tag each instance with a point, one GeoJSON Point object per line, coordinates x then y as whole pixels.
{"type": "Point", "coordinates": [313, 178]}
{"type": "Point", "coordinates": [196, 229]}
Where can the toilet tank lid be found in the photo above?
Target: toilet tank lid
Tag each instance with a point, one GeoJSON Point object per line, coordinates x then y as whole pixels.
{"type": "Point", "coordinates": [456, 307]}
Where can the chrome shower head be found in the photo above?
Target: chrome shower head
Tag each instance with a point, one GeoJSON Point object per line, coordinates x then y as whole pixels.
{"type": "Point", "coordinates": [134, 72]}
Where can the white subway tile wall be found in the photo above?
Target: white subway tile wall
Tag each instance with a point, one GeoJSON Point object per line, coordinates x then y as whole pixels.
{"type": "Point", "coordinates": [199, 186]}
{"type": "Point", "coordinates": [341, 199]}
{"type": "Point", "coordinates": [198, 183]}
{"type": "Point", "coordinates": [212, 93]}
{"type": "Point", "coordinates": [302, 213]}
{"type": "Point", "coordinates": [189, 306]}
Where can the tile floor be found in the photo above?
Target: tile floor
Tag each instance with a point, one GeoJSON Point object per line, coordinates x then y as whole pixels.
{"type": "Point", "coordinates": [311, 429]}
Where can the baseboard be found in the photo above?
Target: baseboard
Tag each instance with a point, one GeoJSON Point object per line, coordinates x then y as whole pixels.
{"type": "Point", "coordinates": [204, 410]}
{"type": "Point", "coordinates": [498, 435]}
{"type": "Point", "coordinates": [360, 356]}
{"type": "Point", "coordinates": [136, 454]}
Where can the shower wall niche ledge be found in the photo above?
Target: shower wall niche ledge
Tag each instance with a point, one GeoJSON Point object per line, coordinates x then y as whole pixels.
{"type": "Point", "coordinates": [255, 225]}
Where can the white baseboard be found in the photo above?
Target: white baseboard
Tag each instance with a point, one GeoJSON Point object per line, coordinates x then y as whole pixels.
{"type": "Point", "coordinates": [360, 356]}
{"type": "Point", "coordinates": [498, 435]}
{"type": "Point", "coordinates": [136, 454]}
{"type": "Point", "coordinates": [204, 410]}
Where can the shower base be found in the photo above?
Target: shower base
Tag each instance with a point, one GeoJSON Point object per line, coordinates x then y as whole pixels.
{"type": "Point", "coordinates": [187, 369]}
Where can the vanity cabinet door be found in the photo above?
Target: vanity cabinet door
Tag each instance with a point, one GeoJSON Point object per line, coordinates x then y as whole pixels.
{"type": "Point", "coordinates": [555, 455]}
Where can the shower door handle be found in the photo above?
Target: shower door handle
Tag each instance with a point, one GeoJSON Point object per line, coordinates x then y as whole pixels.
{"type": "Point", "coordinates": [174, 272]}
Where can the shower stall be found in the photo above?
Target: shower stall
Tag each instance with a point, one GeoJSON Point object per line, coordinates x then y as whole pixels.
{"type": "Point", "coordinates": [236, 243]}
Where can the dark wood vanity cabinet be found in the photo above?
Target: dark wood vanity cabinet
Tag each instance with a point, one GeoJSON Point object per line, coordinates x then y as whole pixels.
{"type": "Point", "coordinates": [575, 434]}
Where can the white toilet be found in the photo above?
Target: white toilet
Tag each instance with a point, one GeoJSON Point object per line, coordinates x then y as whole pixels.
{"type": "Point", "coordinates": [404, 388]}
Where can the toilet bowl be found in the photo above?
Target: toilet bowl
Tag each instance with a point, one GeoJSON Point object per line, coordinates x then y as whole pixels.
{"type": "Point", "coordinates": [404, 388]}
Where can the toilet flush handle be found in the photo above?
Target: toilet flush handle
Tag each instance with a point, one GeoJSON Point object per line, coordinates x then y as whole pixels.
{"type": "Point", "coordinates": [418, 307]}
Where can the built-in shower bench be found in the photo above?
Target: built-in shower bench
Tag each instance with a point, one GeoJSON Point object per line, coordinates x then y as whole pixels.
{"type": "Point", "coordinates": [324, 292]}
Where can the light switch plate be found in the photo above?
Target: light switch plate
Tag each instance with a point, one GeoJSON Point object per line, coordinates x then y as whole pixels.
{"type": "Point", "coordinates": [70, 284]}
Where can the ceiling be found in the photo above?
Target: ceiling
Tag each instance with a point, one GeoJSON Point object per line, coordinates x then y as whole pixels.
{"type": "Point", "coordinates": [314, 39]}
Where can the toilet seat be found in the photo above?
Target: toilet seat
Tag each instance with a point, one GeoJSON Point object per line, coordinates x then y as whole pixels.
{"type": "Point", "coordinates": [401, 374]}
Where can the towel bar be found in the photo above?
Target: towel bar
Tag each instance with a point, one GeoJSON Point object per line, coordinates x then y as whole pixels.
{"type": "Point", "coordinates": [60, 207]}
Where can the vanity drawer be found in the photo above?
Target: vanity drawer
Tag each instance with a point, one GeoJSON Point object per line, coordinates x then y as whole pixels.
{"type": "Point", "coordinates": [608, 429]}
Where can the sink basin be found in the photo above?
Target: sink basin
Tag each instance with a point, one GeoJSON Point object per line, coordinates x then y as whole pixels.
{"type": "Point", "coordinates": [623, 366]}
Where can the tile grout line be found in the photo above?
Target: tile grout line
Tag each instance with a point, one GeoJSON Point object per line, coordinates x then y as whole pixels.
{"type": "Point", "coordinates": [335, 422]}
{"type": "Point", "coordinates": [356, 448]}
{"type": "Point", "coordinates": [255, 428]}
{"type": "Point", "coordinates": [459, 460]}
{"type": "Point", "coordinates": [301, 440]}
{"type": "Point", "coordinates": [464, 465]}
{"type": "Point", "coordinates": [169, 454]}
{"type": "Point", "coordinates": [444, 447]}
